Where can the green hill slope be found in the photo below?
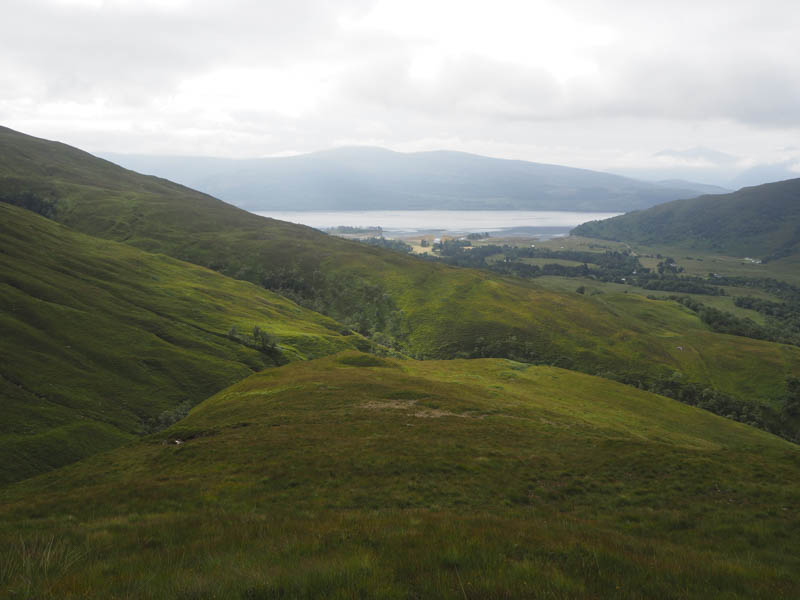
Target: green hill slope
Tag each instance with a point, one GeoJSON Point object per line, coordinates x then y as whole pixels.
{"type": "Point", "coordinates": [353, 476]}
{"type": "Point", "coordinates": [761, 221]}
{"type": "Point", "coordinates": [427, 309]}
{"type": "Point", "coordinates": [101, 341]}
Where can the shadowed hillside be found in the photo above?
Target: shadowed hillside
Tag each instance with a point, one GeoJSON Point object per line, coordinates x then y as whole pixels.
{"type": "Point", "coordinates": [761, 221]}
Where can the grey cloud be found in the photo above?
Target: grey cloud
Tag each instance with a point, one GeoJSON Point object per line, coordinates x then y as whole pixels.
{"type": "Point", "coordinates": [129, 53]}
{"type": "Point", "coordinates": [741, 88]}
{"type": "Point", "coordinates": [699, 153]}
{"type": "Point", "coordinates": [716, 60]}
{"type": "Point", "coordinates": [745, 89]}
{"type": "Point", "coordinates": [469, 86]}
{"type": "Point", "coordinates": [670, 67]}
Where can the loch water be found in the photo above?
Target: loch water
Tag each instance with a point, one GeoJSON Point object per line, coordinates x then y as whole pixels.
{"type": "Point", "coordinates": [411, 222]}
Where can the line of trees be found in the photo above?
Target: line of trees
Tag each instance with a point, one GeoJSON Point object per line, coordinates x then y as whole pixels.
{"type": "Point", "coordinates": [259, 340]}
{"type": "Point", "coordinates": [509, 260]}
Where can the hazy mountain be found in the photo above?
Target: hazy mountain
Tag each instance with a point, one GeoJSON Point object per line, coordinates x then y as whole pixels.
{"type": "Point", "coordinates": [762, 173]}
{"type": "Point", "coordinates": [760, 221]}
{"type": "Point", "coordinates": [699, 188]}
{"type": "Point", "coordinates": [719, 178]}
{"type": "Point", "coordinates": [362, 178]}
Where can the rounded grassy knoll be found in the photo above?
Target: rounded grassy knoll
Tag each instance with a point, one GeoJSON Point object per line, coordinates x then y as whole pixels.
{"type": "Point", "coordinates": [354, 476]}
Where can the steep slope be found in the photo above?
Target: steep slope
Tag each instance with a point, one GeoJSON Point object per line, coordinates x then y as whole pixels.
{"type": "Point", "coordinates": [761, 221]}
{"type": "Point", "coordinates": [428, 309]}
{"type": "Point", "coordinates": [100, 341]}
{"type": "Point", "coordinates": [362, 178]}
{"type": "Point", "coordinates": [358, 477]}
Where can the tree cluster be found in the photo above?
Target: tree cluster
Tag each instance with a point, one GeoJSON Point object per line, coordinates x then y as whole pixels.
{"type": "Point", "coordinates": [355, 302]}
{"type": "Point", "coordinates": [43, 205]}
{"type": "Point", "coordinates": [382, 242]}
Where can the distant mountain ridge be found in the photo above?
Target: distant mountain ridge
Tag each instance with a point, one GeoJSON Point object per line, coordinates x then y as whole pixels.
{"type": "Point", "coordinates": [761, 221]}
{"type": "Point", "coordinates": [366, 178]}
{"type": "Point", "coordinates": [700, 188]}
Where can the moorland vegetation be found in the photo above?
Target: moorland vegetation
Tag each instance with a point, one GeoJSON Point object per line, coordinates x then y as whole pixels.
{"type": "Point", "coordinates": [202, 402]}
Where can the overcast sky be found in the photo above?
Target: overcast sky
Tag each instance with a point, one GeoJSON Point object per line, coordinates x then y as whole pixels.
{"type": "Point", "coordinates": [696, 87]}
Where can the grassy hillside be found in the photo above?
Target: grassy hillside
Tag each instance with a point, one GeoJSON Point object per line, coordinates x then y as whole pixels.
{"type": "Point", "coordinates": [359, 477]}
{"type": "Point", "coordinates": [761, 221]}
{"type": "Point", "coordinates": [101, 341]}
{"type": "Point", "coordinates": [427, 309]}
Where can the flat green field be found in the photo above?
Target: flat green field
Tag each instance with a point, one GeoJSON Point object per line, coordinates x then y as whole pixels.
{"type": "Point", "coordinates": [551, 261]}
{"type": "Point", "coordinates": [594, 287]}
{"type": "Point", "coordinates": [702, 262]}
{"type": "Point", "coordinates": [570, 242]}
{"type": "Point", "coordinates": [695, 261]}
